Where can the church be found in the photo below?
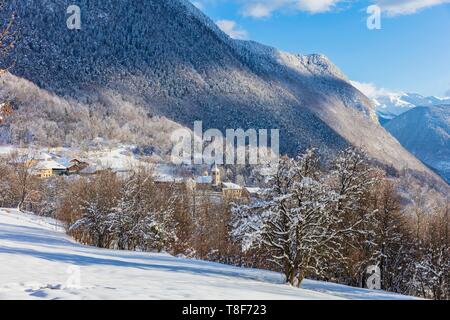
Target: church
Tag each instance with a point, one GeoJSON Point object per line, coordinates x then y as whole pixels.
{"type": "Point", "coordinates": [214, 183]}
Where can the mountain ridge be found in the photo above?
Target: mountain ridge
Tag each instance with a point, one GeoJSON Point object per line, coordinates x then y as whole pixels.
{"type": "Point", "coordinates": [389, 104]}
{"type": "Point", "coordinates": [169, 60]}
{"type": "Point", "coordinates": [425, 131]}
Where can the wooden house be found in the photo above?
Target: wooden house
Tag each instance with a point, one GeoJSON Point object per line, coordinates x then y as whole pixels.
{"type": "Point", "coordinates": [76, 166]}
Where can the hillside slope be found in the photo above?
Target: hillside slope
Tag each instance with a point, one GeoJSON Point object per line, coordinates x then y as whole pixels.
{"type": "Point", "coordinates": [165, 58]}
{"type": "Point", "coordinates": [37, 260]}
{"type": "Point", "coordinates": [425, 132]}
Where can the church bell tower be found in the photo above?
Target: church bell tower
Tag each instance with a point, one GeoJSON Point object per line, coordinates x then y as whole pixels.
{"type": "Point", "coordinates": [216, 179]}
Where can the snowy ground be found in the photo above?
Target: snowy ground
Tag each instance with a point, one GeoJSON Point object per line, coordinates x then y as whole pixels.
{"type": "Point", "coordinates": [38, 261]}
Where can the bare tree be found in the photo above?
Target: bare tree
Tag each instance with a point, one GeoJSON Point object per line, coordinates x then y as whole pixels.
{"type": "Point", "coordinates": [433, 266]}
{"type": "Point", "coordinates": [24, 182]}
{"type": "Point", "coordinates": [294, 220]}
{"type": "Point", "coordinates": [6, 196]}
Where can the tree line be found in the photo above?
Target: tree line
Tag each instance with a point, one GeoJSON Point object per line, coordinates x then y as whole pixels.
{"type": "Point", "coordinates": [321, 220]}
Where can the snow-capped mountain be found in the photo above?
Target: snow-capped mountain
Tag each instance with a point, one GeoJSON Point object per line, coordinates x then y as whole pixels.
{"type": "Point", "coordinates": [167, 59]}
{"type": "Point", "coordinates": [425, 131]}
{"type": "Point", "coordinates": [394, 104]}
{"type": "Point", "coordinates": [390, 104]}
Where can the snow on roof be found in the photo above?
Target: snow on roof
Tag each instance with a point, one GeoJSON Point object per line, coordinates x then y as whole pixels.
{"type": "Point", "coordinates": [50, 164]}
{"type": "Point", "coordinates": [43, 156]}
{"type": "Point", "coordinates": [203, 179]}
{"type": "Point", "coordinates": [168, 179]}
{"type": "Point", "coordinates": [64, 161]}
{"type": "Point", "coordinates": [230, 185]}
{"type": "Point", "coordinates": [4, 150]}
{"type": "Point", "coordinates": [74, 161]}
{"type": "Point", "coordinates": [253, 190]}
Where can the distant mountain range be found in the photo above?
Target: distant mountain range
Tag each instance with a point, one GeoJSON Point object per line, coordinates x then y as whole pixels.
{"type": "Point", "coordinates": [425, 131]}
{"type": "Point", "coordinates": [138, 69]}
{"type": "Point", "coordinates": [392, 105]}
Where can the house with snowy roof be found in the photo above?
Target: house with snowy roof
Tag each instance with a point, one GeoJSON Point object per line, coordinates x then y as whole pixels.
{"type": "Point", "coordinates": [48, 168]}
{"type": "Point", "coordinates": [231, 190]}
{"type": "Point", "coordinates": [75, 166]}
{"type": "Point", "coordinates": [252, 192]}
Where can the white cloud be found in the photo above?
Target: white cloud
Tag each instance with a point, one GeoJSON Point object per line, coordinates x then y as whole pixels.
{"type": "Point", "coordinates": [403, 7]}
{"type": "Point", "coordinates": [314, 6]}
{"type": "Point", "coordinates": [372, 91]}
{"type": "Point", "coordinates": [258, 10]}
{"type": "Point", "coordinates": [230, 27]}
{"type": "Point", "coordinates": [265, 8]}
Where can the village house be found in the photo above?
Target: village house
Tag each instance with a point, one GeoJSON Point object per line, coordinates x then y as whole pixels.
{"type": "Point", "coordinates": [76, 166]}
{"type": "Point", "coordinates": [251, 192]}
{"type": "Point", "coordinates": [45, 165]}
{"type": "Point", "coordinates": [231, 191]}
{"type": "Point", "coordinates": [49, 168]}
{"type": "Point", "coordinates": [34, 161]}
{"type": "Point", "coordinates": [203, 183]}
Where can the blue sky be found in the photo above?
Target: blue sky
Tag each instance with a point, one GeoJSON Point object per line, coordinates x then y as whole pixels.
{"type": "Point", "coordinates": [410, 53]}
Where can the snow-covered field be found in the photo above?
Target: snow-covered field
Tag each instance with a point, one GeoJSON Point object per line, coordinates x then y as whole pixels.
{"type": "Point", "coordinates": [38, 261]}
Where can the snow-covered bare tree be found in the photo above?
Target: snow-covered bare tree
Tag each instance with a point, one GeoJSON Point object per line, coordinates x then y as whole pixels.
{"type": "Point", "coordinates": [6, 194]}
{"type": "Point", "coordinates": [391, 238]}
{"type": "Point", "coordinates": [433, 268]}
{"type": "Point", "coordinates": [89, 207]}
{"type": "Point", "coordinates": [352, 178]}
{"type": "Point", "coordinates": [93, 224]}
{"type": "Point", "coordinates": [23, 182]}
{"type": "Point", "coordinates": [144, 216]}
{"type": "Point", "coordinates": [295, 220]}
{"type": "Point", "coordinates": [120, 222]}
